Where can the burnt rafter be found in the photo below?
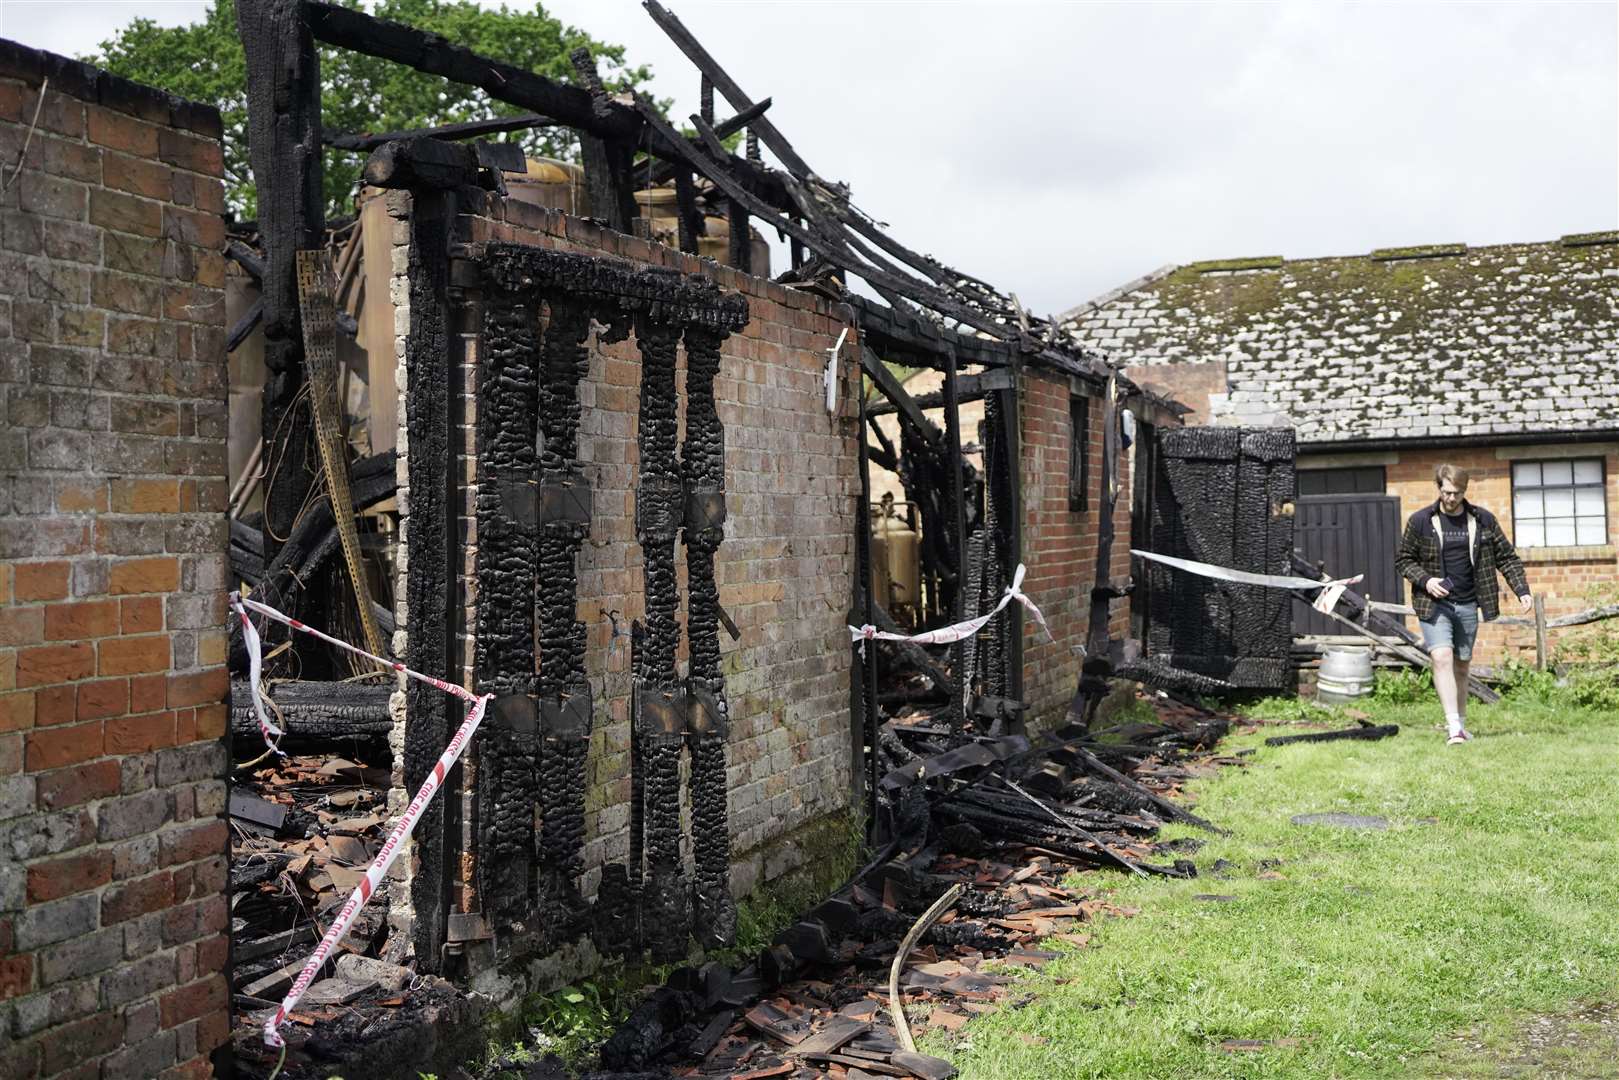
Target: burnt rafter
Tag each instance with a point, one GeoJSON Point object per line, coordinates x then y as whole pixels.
{"type": "Point", "coordinates": [364, 141]}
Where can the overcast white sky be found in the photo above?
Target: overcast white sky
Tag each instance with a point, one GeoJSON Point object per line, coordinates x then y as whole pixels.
{"type": "Point", "coordinates": [1060, 149]}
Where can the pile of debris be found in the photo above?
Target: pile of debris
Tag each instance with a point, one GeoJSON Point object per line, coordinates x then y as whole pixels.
{"type": "Point", "coordinates": [996, 828]}
{"type": "Point", "coordinates": [303, 830]}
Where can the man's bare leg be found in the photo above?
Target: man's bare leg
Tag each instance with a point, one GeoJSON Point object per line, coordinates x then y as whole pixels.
{"type": "Point", "coordinates": [1444, 679]}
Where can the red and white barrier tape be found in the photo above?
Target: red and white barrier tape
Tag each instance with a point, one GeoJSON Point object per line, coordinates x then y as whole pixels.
{"type": "Point", "coordinates": [1330, 590]}
{"type": "Point", "coordinates": [402, 828]}
{"type": "Point", "coordinates": [956, 631]}
{"type": "Point", "coordinates": [255, 664]}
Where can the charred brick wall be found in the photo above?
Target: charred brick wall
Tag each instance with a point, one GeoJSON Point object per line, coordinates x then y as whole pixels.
{"type": "Point", "coordinates": [784, 571]}
{"type": "Point", "coordinates": [112, 570]}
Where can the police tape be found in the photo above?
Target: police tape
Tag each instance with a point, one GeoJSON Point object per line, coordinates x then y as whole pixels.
{"type": "Point", "coordinates": [1325, 603]}
{"type": "Point", "coordinates": [402, 828]}
{"type": "Point", "coordinates": [956, 631]}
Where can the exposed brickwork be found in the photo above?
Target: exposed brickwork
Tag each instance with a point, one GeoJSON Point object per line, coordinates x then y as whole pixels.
{"type": "Point", "coordinates": [1059, 544]}
{"type": "Point", "coordinates": [112, 555]}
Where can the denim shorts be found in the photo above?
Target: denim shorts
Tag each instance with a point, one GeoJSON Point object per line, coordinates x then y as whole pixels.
{"type": "Point", "coordinates": [1454, 626]}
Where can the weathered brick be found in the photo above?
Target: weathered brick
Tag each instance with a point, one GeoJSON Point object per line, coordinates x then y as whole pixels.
{"type": "Point", "coordinates": [85, 619]}
{"type": "Point", "coordinates": [152, 575]}
{"type": "Point", "coordinates": [148, 179]}
{"type": "Point", "coordinates": [118, 453]}
{"type": "Point", "coordinates": [211, 721]}
{"type": "Point", "coordinates": [22, 625]}
{"type": "Point", "coordinates": [58, 448]}
{"type": "Point", "coordinates": [141, 614]}
{"type": "Point", "coordinates": [52, 196]}
{"type": "Point", "coordinates": [128, 293]}
{"type": "Point", "coordinates": [135, 254]}
{"type": "Point", "coordinates": [56, 878]}
{"type": "Point", "coordinates": [16, 979]}
{"type": "Point", "coordinates": [140, 1020]}
{"type": "Point", "coordinates": [75, 241]}
{"type": "Point", "coordinates": [62, 788]}
{"type": "Point", "coordinates": [56, 705]}
{"type": "Point", "coordinates": [101, 698]}
{"type": "Point", "coordinates": [16, 796]}
{"type": "Point", "coordinates": [133, 655]}
{"type": "Point", "coordinates": [79, 409]}
{"type": "Point", "coordinates": [80, 496]}
{"type": "Point", "coordinates": [194, 227]}
{"type": "Point", "coordinates": [45, 664]}
{"type": "Point", "coordinates": [145, 417]}
{"type": "Point", "coordinates": [135, 856]}
{"type": "Point", "coordinates": [60, 367]}
{"type": "Point", "coordinates": [143, 1059]}
{"type": "Point", "coordinates": [81, 326]}
{"type": "Point", "coordinates": [193, 842]}
{"type": "Point", "coordinates": [17, 711]}
{"type": "Point", "coordinates": [143, 896]}
{"type": "Point", "coordinates": [189, 1002]}
{"type": "Point", "coordinates": [45, 924]}
{"type": "Point", "coordinates": [138, 734]}
{"type": "Point", "coordinates": [147, 693]}
{"type": "Point", "coordinates": [195, 611]}
{"type": "Point", "coordinates": [69, 744]}
{"type": "Point", "coordinates": [46, 834]}
{"type": "Point", "coordinates": [28, 406]}
{"type": "Point", "coordinates": [66, 1046]}
{"type": "Point", "coordinates": [191, 153]}
{"type": "Point", "coordinates": [141, 496]}
{"type": "Point", "coordinates": [118, 131]}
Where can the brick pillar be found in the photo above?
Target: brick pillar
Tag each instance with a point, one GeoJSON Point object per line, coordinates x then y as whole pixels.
{"type": "Point", "coordinates": [112, 566]}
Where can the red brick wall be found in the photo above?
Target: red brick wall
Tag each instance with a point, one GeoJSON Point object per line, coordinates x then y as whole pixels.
{"type": "Point", "coordinates": [1059, 544]}
{"type": "Point", "coordinates": [1564, 576]}
{"type": "Point", "coordinates": [112, 566]}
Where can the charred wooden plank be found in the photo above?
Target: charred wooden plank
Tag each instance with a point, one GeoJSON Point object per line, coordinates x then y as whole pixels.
{"type": "Point", "coordinates": [317, 709]}
{"type": "Point", "coordinates": [245, 325]}
{"type": "Point", "coordinates": [365, 142]}
{"type": "Point", "coordinates": [421, 163]}
{"type": "Point", "coordinates": [418, 49]}
{"type": "Point", "coordinates": [716, 76]}
{"type": "Point", "coordinates": [1376, 731]}
{"type": "Point", "coordinates": [654, 173]}
{"type": "Point", "coordinates": [894, 390]}
{"type": "Point", "coordinates": [283, 105]}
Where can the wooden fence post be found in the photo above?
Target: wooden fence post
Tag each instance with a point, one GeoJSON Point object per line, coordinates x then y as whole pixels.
{"type": "Point", "coordinates": [1540, 633]}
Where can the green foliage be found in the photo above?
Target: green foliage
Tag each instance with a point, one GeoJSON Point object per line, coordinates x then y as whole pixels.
{"type": "Point", "coordinates": [204, 61]}
{"type": "Point", "coordinates": [1403, 686]}
{"type": "Point", "coordinates": [1289, 709]}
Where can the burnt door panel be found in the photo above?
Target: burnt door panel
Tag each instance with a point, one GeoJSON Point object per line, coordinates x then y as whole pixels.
{"type": "Point", "coordinates": [1348, 534]}
{"type": "Point", "coordinates": [1221, 496]}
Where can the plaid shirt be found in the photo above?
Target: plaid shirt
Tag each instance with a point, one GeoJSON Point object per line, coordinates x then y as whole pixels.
{"type": "Point", "coordinates": [1420, 560]}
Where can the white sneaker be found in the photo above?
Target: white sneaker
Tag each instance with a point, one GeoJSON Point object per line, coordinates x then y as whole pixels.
{"type": "Point", "coordinates": [1458, 737]}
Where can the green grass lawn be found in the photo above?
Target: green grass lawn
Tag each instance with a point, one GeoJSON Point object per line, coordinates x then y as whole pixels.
{"type": "Point", "coordinates": [1419, 951]}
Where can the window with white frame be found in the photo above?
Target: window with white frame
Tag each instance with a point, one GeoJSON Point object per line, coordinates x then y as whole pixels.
{"type": "Point", "coordinates": [1559, 503]}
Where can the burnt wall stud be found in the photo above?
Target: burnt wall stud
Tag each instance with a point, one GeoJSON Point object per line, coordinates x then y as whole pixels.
{"type": "Point", "coordinates": [565, 701]}
{"type": "Point", "coordinates": [703, 466]}
{"type": "Point", "coordinates": [658, 513]}
{"type": "Point", "coordinates": [283, 94]}
{"type": "Point", "coordinates": [506, 563]}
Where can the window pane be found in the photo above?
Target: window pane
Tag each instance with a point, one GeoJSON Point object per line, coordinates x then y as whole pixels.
{"type": "Point", "coordinates": [1527, 472]}
{"type": "Point", "coordinates": [1588, 471]}
{"type": "Point", "coordinates": [1592, 531]}
{"type": "Point", "coordinates": [1559, 502]}
{"type": "Point", "coordinates": [1531, 534]}
{"type": "Point", "coordinates": [1588, 502]}
{"type": "Point", "coordinates": [1559, 532]}
{"type": "Point", "coordinates": [1312, 482]}
{"type": "Point", "coordinates": [1556, 472]}
{"type": "Point", "coordinates": [1526, 506]}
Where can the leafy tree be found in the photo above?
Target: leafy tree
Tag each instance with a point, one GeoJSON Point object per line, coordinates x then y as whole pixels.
{"type": "Point", "coordinates": [204, 62]}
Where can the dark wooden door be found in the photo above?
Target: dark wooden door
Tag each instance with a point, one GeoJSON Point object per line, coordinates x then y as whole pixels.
{"type": "Point", "coordinates": [1348, 534]}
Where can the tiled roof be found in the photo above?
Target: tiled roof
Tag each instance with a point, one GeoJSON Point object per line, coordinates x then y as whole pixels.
{"type": "Point", "coordinates": [1402, 343]}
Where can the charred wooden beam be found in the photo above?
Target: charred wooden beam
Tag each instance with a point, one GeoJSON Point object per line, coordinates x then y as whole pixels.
{"type": "Point", "coordinates": [418, 49]}
{"type": "Point", "coordinates": [971, 388]}
{"type": "Point", "coordinates": [1363, 731]}
{"type": "Point", "coordinates": [956, 493]}
{"type": "Point", "coordinates": [716, 76]}
{"type": "Point", "coordinates": [689, 217]}
{"type": "Point", "coordinates": [653, 173]}
{"type": "Point", "coordinates": [317, 709]}
{"type": "Point", "coordinates": [244, 326]}
{"type": "Point", "coordinates": [422, 163]}
{"type": "Point", "coordinates": [432, 594]}
{"type": "Point", "coordinates": [364, 141]}
{"type": "Point", "coordinates": [246, 258]}
{"type": "Point", "coordinates": [894, 390]}
{"type": "Point", "coordinates": [741, 243]}
{"type": "Point", "coordinates": [608, 161]}
{"type": "Point", "coordinates": [283, 104]}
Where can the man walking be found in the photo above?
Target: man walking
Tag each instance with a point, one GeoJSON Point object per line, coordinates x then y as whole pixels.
{"type": "Point", "coordinates": [1450, 553]}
